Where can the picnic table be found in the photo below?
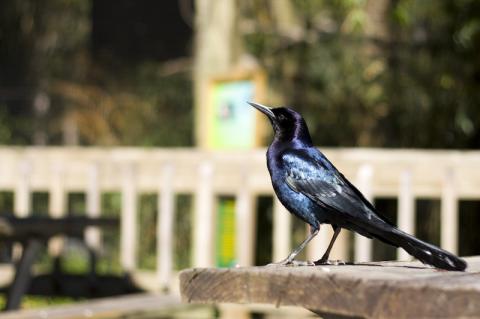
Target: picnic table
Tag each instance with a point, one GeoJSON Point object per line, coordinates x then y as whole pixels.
{"type": "Point", "coordinates": [31, 233]}
{"type": "Point", "coordinates": [364, 290]}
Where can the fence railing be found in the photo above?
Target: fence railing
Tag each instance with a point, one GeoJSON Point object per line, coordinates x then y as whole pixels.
{"type": "Point", "coordinates": [402, 174]}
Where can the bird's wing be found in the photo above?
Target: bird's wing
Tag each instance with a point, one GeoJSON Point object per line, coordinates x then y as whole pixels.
{"type": "Point", "coordinates": [310, 173]}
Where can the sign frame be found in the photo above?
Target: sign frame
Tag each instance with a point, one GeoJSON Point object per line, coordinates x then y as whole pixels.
{"type": "Point", "coordinates": [258, 79]}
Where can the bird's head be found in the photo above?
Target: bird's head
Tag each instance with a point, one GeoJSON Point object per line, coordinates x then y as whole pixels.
{"type": "Point", "coordinates": [287, 123]}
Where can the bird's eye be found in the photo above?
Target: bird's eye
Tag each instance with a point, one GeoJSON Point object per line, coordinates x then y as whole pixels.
{"type": "Point", "coordinates": [281, 117]}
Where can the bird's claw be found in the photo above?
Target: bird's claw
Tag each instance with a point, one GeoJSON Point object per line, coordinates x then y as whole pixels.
{"type": "Point", "coordinates": [301, 263]}
{"type": "Point", "coordinates": [292, 263]}
{"type": "Point", "coordinates": [329, 262]}
{"type": "Point", "coordinates": [284, 262]}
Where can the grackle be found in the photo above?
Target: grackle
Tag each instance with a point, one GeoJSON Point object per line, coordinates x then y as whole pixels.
{"type": "Point", "coordinates": [311, 188]}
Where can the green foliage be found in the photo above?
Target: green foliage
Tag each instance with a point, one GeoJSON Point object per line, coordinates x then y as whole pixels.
{"type": "Point", "coordinates": [6, 203]}
{"type": "Point", "coordinates": [406, 78]}
{"type": "Point", "coordinates": [46, 52]}
{"type": "Point", "coordinates": [160, 110]}
{"type": "Point", "coordinates": [147, 221]}
{"type": "Point", "coordinates": [429, 209]}
{"type": "Point", "coordinates": [40, 201]}
{"type": "Point", "coordinates": [75, 258]}
{"type": "Point", "coordinates": [264, 227]}
{"type": "Point", "coordinates": [32, 302]}
{"type": "Point", "coordinates": [183, 231]}
{"type": "Point", "coordinates": [41, 42]}
{"type": "Point", "coordinates": [110, 254]}
{"type": "Point", "coordinates": [148, 230]}
{"type": "Point", "coordinates": [5, 130]}
{"type": "Point", "coordinates": [76, 204]}
{"type": "Point", "coordinates": [469, 219]}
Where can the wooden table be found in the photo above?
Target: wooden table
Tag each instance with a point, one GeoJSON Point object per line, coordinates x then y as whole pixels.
{"type": "Point", "coordinates": [367, 290]}
{"type": "Point", "coordinates": [31, 232]}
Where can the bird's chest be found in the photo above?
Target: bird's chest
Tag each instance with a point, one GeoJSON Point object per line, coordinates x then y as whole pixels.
{"type": "Point", "coordinates": [297, 203]}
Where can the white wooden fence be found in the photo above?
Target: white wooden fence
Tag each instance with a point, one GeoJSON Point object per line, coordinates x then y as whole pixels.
{"type": "Point", "coordinates": [405, 174]}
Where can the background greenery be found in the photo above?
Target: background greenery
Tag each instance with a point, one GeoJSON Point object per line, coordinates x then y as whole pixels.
{"type": "Point", "coordinates": [404, 75]}
{"type": "Point", "coordinates": [409, 80]}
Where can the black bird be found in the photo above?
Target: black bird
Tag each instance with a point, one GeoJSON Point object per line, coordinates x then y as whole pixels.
{"type": "Point", "coordinates": [312, 189]}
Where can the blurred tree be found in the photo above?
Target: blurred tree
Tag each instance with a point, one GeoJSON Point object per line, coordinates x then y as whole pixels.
{"type": "Point", "coordinates": [401, 73]}
{"type": "Point", "coordinates": [39, 40]}
{"type": "Point", "coordinates": [147, 106]}
{"type": "Point", "coordinates": [133, 31]}
{"type": "Point", "coordinates": [95, 72]}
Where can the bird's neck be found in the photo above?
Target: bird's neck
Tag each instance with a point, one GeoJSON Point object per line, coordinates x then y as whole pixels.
{"type": "Point", "coordinates": [296, 138]}
{"type": "Point", "coordinates": [297, 134]}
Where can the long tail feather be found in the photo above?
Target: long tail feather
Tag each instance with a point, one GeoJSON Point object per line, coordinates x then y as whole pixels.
{"type": "Point", "coordinates": [377, 227]}
{"type": "Point", "coordinates": [425, 252]}
{"type": "Point", "coordinates": [428, 253]}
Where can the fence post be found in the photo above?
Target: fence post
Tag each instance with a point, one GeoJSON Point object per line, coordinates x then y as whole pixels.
{"type": "Point", "coordinates": [363, 245]}
{"type": "Point", "coordinates": [56, 205]}
{"type": "Point", "coordinates": [22, 198]}
{"type": "Point", "coordinates": [92, 234]}
{"type": "Point", "coordinates": [165, 227]}
{"type": "Point", "coordinates": [128, 223]}
{"type": "Point", "coordinates": [406, 209]}
{"type": "Point", "coordinates": [449, 213]}
{"type": "Point", "coordinates": [282, 231]}
{"type": "Point", "coordinates": [244, 224]}
{"type": "Point", "coordinates": [319, 243]}
{"type": "Point", "coordinates": [204, 218]}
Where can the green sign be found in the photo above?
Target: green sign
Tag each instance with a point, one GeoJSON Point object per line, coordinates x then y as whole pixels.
{"type": "Point", "coordinates": [232, 120]}
{"type": "Point", "coordinates": [225, 247]}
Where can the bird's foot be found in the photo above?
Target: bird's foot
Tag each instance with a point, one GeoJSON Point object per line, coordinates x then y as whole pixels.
{"type": "Point", "coordinates": [284, 262]}
{"type": "Point", "coordinates": [292, 263]}
{"type": "Point", "coordinates": [301, 263]}
{"type": "Point", "coordinates": [329, 262]}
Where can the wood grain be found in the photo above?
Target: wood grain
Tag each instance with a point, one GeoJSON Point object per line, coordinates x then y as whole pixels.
{"type": "Point", "coordinates": [369, 290]}
{"type": "Point", "coordinates": [128, 306]}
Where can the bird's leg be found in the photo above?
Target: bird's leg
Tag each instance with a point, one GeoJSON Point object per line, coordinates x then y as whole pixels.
{"type": "Point", "coordinates": [324, 260]}
{"type": "Point", "coordinates": [290, 259]}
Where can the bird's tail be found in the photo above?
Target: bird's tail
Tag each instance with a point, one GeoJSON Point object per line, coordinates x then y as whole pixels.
{"type": "Point", "coordinates": [428, 253]}
{"type": "Point", "coordinates": [425, 252]}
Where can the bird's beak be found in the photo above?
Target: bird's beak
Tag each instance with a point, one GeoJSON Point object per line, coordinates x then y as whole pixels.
{"type": "Point", "coordinates": [264, 109]}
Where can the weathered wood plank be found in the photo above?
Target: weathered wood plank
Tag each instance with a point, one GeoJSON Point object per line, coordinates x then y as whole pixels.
{"type": "Point", "coordinates": [449, 213]}
{"type": "Point", "coordinates": [245, 223]}
{"type": "Point", "coordinates": [128, 222]}
{"type": "Point", "coordinates": [56, 205]}
{"type": "Point", "coordinates": [165, 227]}
{"type": "Point", "coordinates": [115, 307]}
{"type": "Point", "coordinates": [427, 168]}
{"type": "Point", "coordinates": [406, 210]}
{"type": "Point", "coordinates": [369, 290]}
{"type": "Point", "coordinates": [22, 200]}
{"type": "Point", "coordinates": [282, 224]}
{"type": "Point", "coordinates": [93, 236]}
{"type": "Point", "coordinates": [363, 245]}
{"type": "Point", "coordinates": [204, 216]}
